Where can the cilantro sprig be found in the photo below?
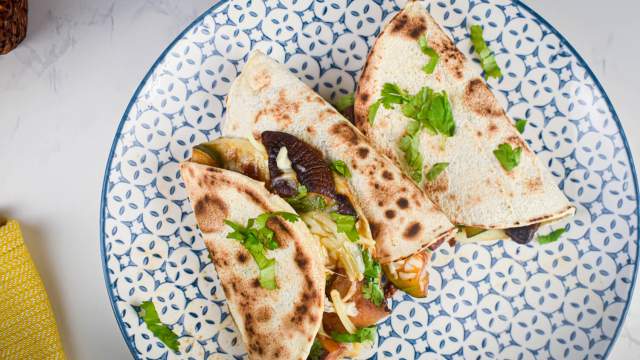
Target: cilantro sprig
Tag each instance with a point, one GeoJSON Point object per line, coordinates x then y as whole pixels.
{"type": "Point", "coordinates": [361, 335]}
{"type": "Point", "coordinates": [345, 102]}
{"type": "Point", "coordinates": [520, 124]}
{"type": "Point", "coordinates": [391, 94]}
{"type": "Point", "coordinates": [436, 170]}
{"type": "Point", "coordinates": [431, 53]}
{"type": "Point", "coordinates": [371, 288]}
{"type": "Point", "coordinates": [305, 201]}
{"type": "Point", "coordinates": [551, 237]}
{"type": "Point", "coordinates": [346, 224]}
{"type": "Point", "coordinates": [341, 168]}
{"type": "Point", "coordinates": [161, 331]}
{"type": "Point", "coordinates": [487, 60]}
{"type": "Point", "coordinates": [508, 157]}
{"type": "Point", "coordinates": [257, 238]}
{"type": "Point", "coordinates": [409, 144]}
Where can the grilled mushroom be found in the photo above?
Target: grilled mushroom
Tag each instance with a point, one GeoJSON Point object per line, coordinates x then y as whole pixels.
{"type": "Point", "coordinates": [523, 234]}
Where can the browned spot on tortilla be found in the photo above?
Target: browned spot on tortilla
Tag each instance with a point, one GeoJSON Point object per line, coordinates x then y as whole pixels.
{"type": "Point", "coordinates": [363, 152]}
{"type": "Point", "coordinates": [377, 186]}
{"type": "Point", "coordinates": [344, 132]}
{"type": "Point", "coordinates": [380, 203]}
{"type": "Point", "coordinates": [263, 313]}
{"type": "Point", "coordinates": [534, 184]}
{"type": "Point", "coordinates": [210, 211]}
{"type": "Point", "coordinates": [439, 185]}
{"type": "Point", "coordinates": [311, 130]}
{"type": "Point", "coordinates": [516, 141]}
{"type": "Point", "coordinates": [255, 283]}
{"type": "Point", "coordinates": [451, 57]}
{"type": "Point", "coordinates": [480, 100]}
{"type": "Point", "coordinates": [411, 27]}
{"type": "Point", "coordinates": [375, 229]}
{"type": "Point", "coordinates": [301, 260]}
{"type": "Point", "coordinates": [402, 203]}
{"type": "Point", "coordinates": [364, 96]}
{"type": "Point", "coordinates": [387, 175]}
{"type": "Point", "coordinates": [412, 231]}
{"type": "Point", "coordinates": [539, 218]}
{"type": "Point", "coordinates": [390, 214]}
{"type": "Point", "coordinates": [242, 257]}
{"type": "Point", "coordinates": [281, 228]}
{"type": "Point", "coordinates": [281, 111]}
{"type": "Point", "coordinates": [261, 80]}
{"type": "Point", "coordinates": [492, 127]}
{"type": "Point", "coordinates": [479, 133]}
{"type": "Point", "coordinates": [255, 197]}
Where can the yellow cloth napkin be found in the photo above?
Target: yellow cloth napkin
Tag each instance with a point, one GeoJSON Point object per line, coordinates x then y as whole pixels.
{"type": "Point", "coordinates": [27, 325]}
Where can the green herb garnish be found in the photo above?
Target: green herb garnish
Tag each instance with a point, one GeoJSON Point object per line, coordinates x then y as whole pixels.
{"type": "Point", "coordinates": [390, 94]}
{"type": "Point", "coordinates": [346, 224]}
{"type": "Point", "coordinates": [345, 102]}
{"type": "Point", "coordinates": [409, 145]}
{"type": "Point", "coordinates": [432, 54]}
{"type": "Point", "coordinates": [520, 124]}
{"type": "Point", "coordinates": [340, 168]}
{"type": "Point", "coordinates": [160, 330]}
{"type": "Point", "coordinates": [305, 202]}
{"type": "Point", "coordinates": [551, 237]}
{"type": "Point", "coordinates": [435, 170]}
{"type": "Point", "coordinates": [487, 60]}
{"type": "Point", "coordinates": [361, 335]}
{"type": "Point", "coordinates": [371, 288]}
{"type": "Point", "coordinates": [257, 238]}
{"type": "Point", "coordinates": [508, 157]}
{"type": "Point", "coordinates": [316, 351]}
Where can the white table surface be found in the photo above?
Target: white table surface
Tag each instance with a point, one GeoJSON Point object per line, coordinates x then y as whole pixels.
{"type": "Point", "coordinates": [63, 91]}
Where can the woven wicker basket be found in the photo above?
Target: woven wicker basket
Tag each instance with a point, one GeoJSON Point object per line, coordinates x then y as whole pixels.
{"type": "Point", "coordinates": [13, 24]}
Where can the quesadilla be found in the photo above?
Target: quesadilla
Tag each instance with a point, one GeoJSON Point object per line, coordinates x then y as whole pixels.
{"type": "Point", "coordinates": [277, 307]}
{"type": "Point", "coordinates": [426, 106]}
{"type": "Point", "coordinates": [267, 97]}
{"type": "Point", "coordinates": [363, 215]}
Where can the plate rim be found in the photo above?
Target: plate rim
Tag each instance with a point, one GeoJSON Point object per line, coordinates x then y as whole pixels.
{"type": "Point", "coordinates": [563, 40]}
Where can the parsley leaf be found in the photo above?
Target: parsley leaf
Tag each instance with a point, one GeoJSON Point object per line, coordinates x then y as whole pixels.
{"type": "Point", "coordinates": [346, 224]}
{"type": "Point", "coordinates": [361, 335]}
{"type": "Point", "coordinates": [435, 170]}
{"type": "Point", "coordinates": [316, 351]}
{"type": "Point", "coordinates": [409, 145]}
{"type": "Point", "coordinates": [373, 110]}
{"type": "Point", "coordinates": [508, 157]}
{"type": "Point", "coordinates": [160, 330]}
{"type": "Point", "coordinates": [305, 202]}
{"type": "Point", "coordinates": [371, 288]}
{"type": "Point", "coordinates": [341, 168]}
{"type": "Point", "coordinates": [345, 102]}
{"type": "Point", "coordinates": [390, 94]}
{"type": "Point", "coordinates": [432, 54]}
{"type": "Point", "coordinates": [256, 237]}
{"type": "Point", "coordinates": [487, 60]}
{"type": "Point", "coordinates": [520, 124]}
{"type": "Point", "coordinates": [551, 237]}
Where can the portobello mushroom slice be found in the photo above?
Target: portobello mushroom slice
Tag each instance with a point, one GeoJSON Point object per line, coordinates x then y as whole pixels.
{"type": "Point", "coordinates": [523, 234]}
{"type": "Point", "coordinates": [310, 168]}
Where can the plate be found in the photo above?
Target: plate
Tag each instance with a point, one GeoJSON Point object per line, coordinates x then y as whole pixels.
{"type": "Point", "coordinates": [563, 300]}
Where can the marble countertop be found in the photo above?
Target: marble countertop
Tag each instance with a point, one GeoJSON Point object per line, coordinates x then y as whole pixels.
{"type": "Point", "coordinates": [63, 91]}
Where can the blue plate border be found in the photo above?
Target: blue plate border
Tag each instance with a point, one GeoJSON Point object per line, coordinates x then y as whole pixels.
{"type": "Point", "coordinates": [519, 3]}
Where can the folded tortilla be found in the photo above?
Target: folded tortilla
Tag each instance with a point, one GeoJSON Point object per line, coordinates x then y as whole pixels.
{"type": "Point", "coordinates": [274, 324]}
{"type": "Point", "coordinates": [474, 190]}
{"type": "Point", "coordinates": [267, 97]}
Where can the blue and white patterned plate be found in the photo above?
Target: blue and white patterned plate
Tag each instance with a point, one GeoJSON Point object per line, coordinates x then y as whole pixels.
{"type": "Point", "coordinates": [495, 300]}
